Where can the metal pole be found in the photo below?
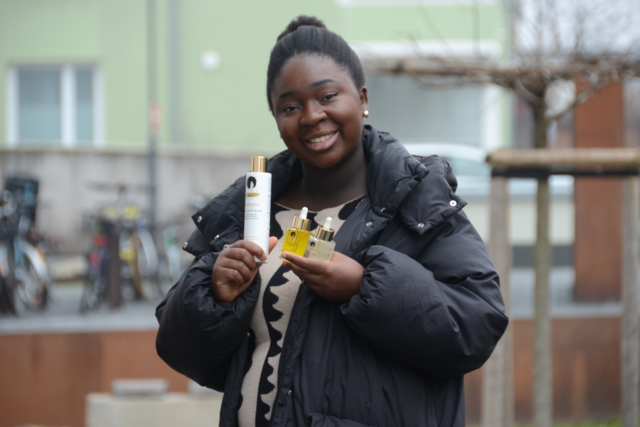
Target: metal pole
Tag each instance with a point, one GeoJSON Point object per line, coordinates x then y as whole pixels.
{"type": "Point", "coordinates": [630, 342]}
{"type": "Point", "coordinates": [497, 401]}
{"type": "Point", "coordinates": [542, 386]}
{"type": "Point", "coordinates": [175, 120]}
{"type": "Point", "coordinates": [153, 111]}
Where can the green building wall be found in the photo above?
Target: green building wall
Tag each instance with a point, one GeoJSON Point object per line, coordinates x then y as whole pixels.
{"type": "Point", "coordinates": [224, 110]}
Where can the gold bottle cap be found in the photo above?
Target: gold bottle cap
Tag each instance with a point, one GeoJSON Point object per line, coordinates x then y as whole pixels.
{"type": "Point", "coordinates": [259, 164]}
{"type": "Point", "coordinates": [301, 222]}
{"type": "Point", "coordinates": [325, 232]}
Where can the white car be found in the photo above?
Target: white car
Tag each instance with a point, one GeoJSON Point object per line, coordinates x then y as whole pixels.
{"type": "Point", "coordinates": [474, 177]}
{"type": "Point", "coordinates": [473, 174]}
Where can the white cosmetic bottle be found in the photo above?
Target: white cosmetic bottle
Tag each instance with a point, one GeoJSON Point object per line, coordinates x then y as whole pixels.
{"type": "Point", "coordinates": [257, 204]}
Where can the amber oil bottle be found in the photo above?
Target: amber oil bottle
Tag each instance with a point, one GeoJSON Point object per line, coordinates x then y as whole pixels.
{"type": "Point", "coordinates": [297, 236]}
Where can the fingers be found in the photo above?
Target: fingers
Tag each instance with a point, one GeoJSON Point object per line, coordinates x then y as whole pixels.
{"type": "Point", "coordinates": [273, 241]}
{"type": "Point", "coordinates": [311, 265]}
{"type": "Point", "coordinates": [301, 273]}
{"type": "Point", "coordinates": [336, 280]}
{"type": "Point", "coordinates": [311, 279]}
{"type": "Point", "coordinates": [251, 247]}
{"type": "Point", "coordinates": [244, 273]}
{"type": "Point", "coordinates": [238, 254]}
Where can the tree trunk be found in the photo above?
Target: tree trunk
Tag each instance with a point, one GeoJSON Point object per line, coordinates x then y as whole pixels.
{"type": "Point", "coordinates": [542, 387]}
{"type": "Point", "coordinates": [497, 392]}
{"type": "Point", "coordinates": [630, 329]}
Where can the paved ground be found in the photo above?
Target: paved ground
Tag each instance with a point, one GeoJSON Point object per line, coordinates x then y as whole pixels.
{"type": "Point", "coordinates": [63, 315]}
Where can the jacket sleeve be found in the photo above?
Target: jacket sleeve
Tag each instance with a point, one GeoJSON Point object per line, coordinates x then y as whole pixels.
{"type": "Point", "coordinates": [441, 312]}
{"type": "Point", "coordinates": [198, 336]}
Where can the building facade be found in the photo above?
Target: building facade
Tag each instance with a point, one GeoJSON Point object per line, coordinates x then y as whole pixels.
{"type": "Point", "coordinates": [77, 77]}
{"type": "Point", "coordinates": [75, 72]}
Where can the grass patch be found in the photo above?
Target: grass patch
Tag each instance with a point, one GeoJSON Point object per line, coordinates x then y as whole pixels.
{"type": "Point", "coordinates": [615, 422]}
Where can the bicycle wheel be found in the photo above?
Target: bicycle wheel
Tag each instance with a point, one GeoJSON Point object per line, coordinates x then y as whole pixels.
{"type": "Point", "coordinates": [7, 284]}
{"type": "Point", "coordinates": [93, 293]}
{"type": "Point", "coordinates": [7, 297]}
{"type": "Point", "coordinates": [32, 278]}
{"type": "Point", "coordinates": [95, 280]}
{"type": "Point", "coordinates": [170, 269]}
{"type": "Point", "coordinates": [145, 263]}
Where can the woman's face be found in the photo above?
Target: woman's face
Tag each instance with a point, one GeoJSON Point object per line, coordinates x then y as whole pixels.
{"type": "Point", "coordinates": [318, 110]}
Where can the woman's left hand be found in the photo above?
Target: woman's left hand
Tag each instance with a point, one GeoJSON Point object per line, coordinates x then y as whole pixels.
{"type": "Point", "coordinates": [336, 280]}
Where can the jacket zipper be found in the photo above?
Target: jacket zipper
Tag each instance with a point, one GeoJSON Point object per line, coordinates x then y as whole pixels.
{"type": "Point", "coordinates": [304, 312]}
{"type": "Point", "coordinates": [286, 359]}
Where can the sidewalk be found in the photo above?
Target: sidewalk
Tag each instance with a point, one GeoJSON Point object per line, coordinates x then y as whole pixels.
{"type": "Point", "coordinates": [63, 309]}
{"type": "Point", "coordinates": [62, 314]}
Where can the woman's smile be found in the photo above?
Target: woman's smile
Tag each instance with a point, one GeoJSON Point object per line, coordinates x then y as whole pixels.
{"type": "Point", "coordinates": [323, 142]}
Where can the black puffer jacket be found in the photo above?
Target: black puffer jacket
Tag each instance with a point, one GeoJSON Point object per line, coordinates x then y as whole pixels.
{"type": "Point", "coordinates": [429, 309]}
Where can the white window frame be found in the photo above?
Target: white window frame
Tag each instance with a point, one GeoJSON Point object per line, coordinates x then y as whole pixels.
{"type": "Point", "coordinates": [373, 53]}
{"type": "Point", "coordinates": [68, 138]}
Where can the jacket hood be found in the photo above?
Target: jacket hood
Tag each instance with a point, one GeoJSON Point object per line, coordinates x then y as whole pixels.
{"type": "Point", "coordinates": [421, 190]}
{"type": "Point", "coordinates": [418, 189]}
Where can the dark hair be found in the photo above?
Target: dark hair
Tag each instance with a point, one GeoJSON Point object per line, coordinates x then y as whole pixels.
{"type": "Point", "coordinates": [309, 35]}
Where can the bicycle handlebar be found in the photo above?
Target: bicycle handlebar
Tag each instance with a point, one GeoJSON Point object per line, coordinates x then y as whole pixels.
{"type": "Point", "coordinates": [117, 186]}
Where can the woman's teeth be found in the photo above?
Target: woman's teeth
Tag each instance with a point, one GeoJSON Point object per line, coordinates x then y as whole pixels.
{"type": "Point", "coordinates": [322, 138]}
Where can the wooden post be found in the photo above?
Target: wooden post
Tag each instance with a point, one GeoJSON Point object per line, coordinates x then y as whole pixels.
{"type": "Point", "coordinates": [542, 385]}
{"type": "Point", "coordinates": [497, 395]}
{"type": "Point", "coordinates": [630, 322]}
{"type": "Point", "coordinates": [580, 162]}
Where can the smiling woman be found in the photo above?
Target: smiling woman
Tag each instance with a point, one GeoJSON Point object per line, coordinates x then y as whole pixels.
{"type": "Point", "coordinates": [320, 121]}
{"type": "Point", "coordinates": [383, 332]}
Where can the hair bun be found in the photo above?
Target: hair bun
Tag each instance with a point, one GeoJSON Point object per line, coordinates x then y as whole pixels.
{"type": "Point", "coordinates": [301, 21]}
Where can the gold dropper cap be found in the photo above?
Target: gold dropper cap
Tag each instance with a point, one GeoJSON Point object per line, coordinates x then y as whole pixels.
{"type": "Point", "coordinates": [325, 232]}
{"type": "Point", "coordinates": [301, 222]}
{"type": "Point", "coordinates": [259, 164]}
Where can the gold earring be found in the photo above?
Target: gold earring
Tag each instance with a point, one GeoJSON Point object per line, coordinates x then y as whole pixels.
{"type": "Point", "coordinates": [365, 113]}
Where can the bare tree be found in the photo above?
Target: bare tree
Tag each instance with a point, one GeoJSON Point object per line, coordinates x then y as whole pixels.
{"type": "Point", "coordinates": [560, 53]}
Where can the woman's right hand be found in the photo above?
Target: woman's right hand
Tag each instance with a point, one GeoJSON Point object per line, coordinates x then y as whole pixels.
{"type": "Point", "coordinates": [235, 269]}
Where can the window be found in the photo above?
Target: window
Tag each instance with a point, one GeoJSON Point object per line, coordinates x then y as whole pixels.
{"type": "Point", "coordinates": [54, 106]}
{"type": "Point", "coordinates": [445, 112]}
{"type": "Point", "coordinates": [415, 114]}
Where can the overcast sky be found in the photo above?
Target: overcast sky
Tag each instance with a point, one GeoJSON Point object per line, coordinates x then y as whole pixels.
{"type": "Point", "coordinates": [600, 24]}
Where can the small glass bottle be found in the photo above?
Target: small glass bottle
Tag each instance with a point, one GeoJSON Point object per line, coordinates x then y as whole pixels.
{"type": "Point", "coordinates": [297, 236]}
{"type": "Point", "coordinates": [321, 244]}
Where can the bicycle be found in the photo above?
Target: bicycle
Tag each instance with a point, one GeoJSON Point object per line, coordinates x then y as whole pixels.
{"type": "Point", "coordinates": [139, 263]}
{"type": "Point", "coordinates": [171, 266]}
{"type": "Point", "coordinates": [23, 268]}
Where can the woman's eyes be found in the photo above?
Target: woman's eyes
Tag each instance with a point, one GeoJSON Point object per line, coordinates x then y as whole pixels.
{"type": "Point", "coordinates": [330, 96]}
{"type": "Point", "coordinates": [291, 108]}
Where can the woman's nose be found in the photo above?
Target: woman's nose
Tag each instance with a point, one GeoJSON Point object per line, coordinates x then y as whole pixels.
{"type": "Point", "coordinates": [312, 114]}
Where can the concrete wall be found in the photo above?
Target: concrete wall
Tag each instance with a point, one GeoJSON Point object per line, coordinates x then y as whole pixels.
{"type": "Point", "coordinates": [66, 194]}
{"type": "Point", "coordinates": [169, 410]}
{"type": "Point", "coordinates": [44, 378]}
